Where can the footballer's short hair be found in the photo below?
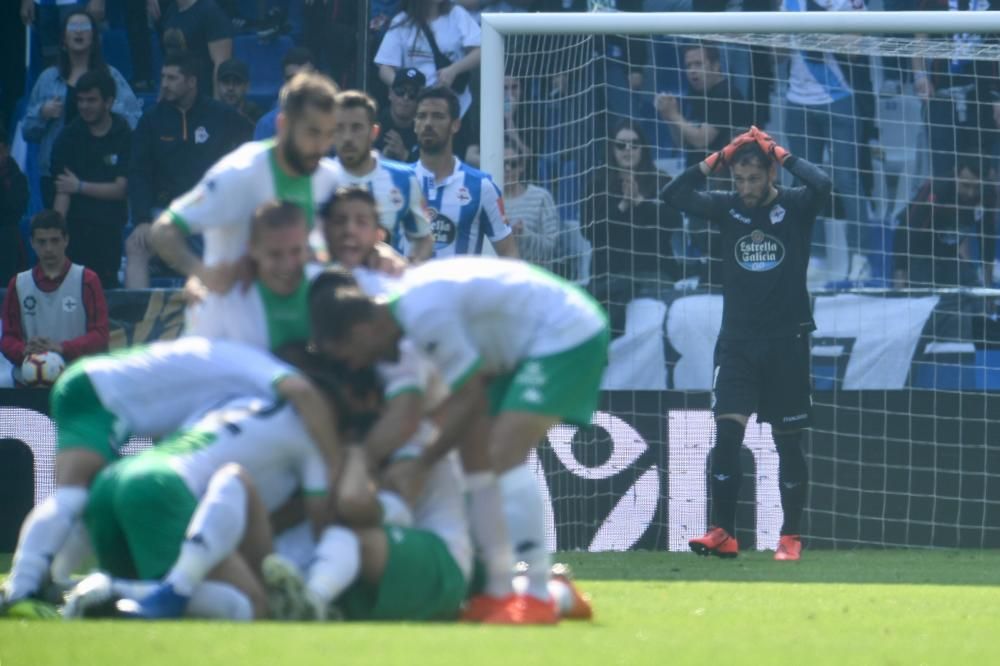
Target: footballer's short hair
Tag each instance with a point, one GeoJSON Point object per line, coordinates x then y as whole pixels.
{"type": "Point", "coordinates": [336, 304]}
{"type": "Point", "coordinates": [276, 215]}
{"type": "Point", "coordinates": [307, 89]}
{"type": "Point", "coordinates": [357, 99]}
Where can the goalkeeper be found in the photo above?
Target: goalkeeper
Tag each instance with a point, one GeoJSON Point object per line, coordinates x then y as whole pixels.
{"type": "Point", "coordinates": [762, 355]}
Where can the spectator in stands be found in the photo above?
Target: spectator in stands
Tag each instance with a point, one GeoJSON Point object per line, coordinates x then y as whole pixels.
{"type": "Point", "coordinates": [938, 233]}
{"type": "Point", "coordinates": [820, 116]}
{"type": "Point", "coordinates": [90, 163]}
{"type": "Point", "coordinates": [962, 97]}
{"type": "Point", "coordinates": [531, 212]}
{"type": "Point", "coordinates": [629, 227]}
{"type": "Point", "coordinates": [12, 62]}
{"type": "Point", "coordinates": [518, 127]}
{"type": "Point", "coordinates": [408, 43]}
{"type": "Point", "coordinates": [53, 99]}
{"type": "Point", "coordinates": [330, 32]}
{"type": "Point", "coordinates": [708, 118]}
{"type": "Point", "coordinates": [176, 142]}
{"type": "Point", "coordinates": [396, 139]}
{"type": "Point", "coordinates": [207, 35]}
{"type": "Point", "coordinates": [56, 306]}
{"type": "Point", "coordinates": [294, 61]}
{"type": "Point", "coordinates": [13, 205]}
{"type": "Point", "coordinates": [234, 81]}
{"type": "Point", "coordinates": [48, 17]}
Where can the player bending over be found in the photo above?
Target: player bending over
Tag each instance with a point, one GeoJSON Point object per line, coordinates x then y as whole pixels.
{"type": "Point", "coordinates": [500, 333]}
{"type": "Point", "coordinates": [99, 402]}
{"type": "Point", "coordinates": [762, 355]}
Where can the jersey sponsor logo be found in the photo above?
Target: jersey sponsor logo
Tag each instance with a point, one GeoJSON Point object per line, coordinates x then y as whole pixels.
{"type": "Point", "coordinates": [201, 135]}
{"type": "Point", "coordinates": [29, 303]}
{"type": "Point", "coordinates": [739, 217]}
{"type": "Point", "coordinates": [777, 214]}
{"type": "Point", "coordinates": [69, 304]}
{"type": "Point", "coordinates": [443, 228]}
{"type": "Point", "coordinates": [759, 252]}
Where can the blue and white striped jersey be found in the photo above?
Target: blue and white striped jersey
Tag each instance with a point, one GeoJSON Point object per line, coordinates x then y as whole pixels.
{"type": "Point", "coordinates": [465, 208]}
{"type": "Point", "coordinates": [400, 201]}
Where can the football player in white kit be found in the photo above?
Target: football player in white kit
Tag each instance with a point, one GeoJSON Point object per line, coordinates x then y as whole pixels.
{"type": "Point", "coordinates": [148, 391]}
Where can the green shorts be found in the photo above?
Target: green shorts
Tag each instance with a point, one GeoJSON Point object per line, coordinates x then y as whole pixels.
{"type": "Point", "coordinates": [421, 582]}
{"type": "Point", "coordinates": [137, 516]}
{"type": "Point", "coordinates": [80, 417]}
{"type": "Point", "coordinates": [566, 384]}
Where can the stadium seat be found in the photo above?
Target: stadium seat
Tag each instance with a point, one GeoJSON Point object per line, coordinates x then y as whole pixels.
{"type": "Point", "coordinates": [264, 60]}
{"type": "Point", "coordinates": [116, 51]}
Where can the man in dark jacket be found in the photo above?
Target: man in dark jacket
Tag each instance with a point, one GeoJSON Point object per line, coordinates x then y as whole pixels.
{"type": "Point", "coordinates": [174, 145]}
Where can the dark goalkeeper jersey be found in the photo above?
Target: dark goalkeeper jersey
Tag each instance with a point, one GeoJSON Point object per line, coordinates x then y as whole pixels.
{"type": "Point", "coordinates": [765, 250]}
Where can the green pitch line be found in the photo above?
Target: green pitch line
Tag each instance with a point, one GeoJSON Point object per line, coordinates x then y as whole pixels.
{"type": "Point", "coordinates": [859, 607]}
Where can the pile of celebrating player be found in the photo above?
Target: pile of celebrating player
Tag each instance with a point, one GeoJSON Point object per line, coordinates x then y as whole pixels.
{"type": "Point", "coordinates": [349, 441]}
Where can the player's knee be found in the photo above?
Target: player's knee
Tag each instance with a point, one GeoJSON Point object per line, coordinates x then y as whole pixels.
{"type": "Point", "coordinates": [136, 245]}
{"type": "Point", "coordinates": [729, 436]}
{"type": "Point", "coordinates": [78, 466]}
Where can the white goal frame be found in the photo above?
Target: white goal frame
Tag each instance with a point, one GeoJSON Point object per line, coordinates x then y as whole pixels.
{"type": "Point", "coordinates": [496, 26]}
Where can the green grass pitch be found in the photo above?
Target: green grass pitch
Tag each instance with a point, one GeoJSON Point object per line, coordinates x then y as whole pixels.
{"type": "Point", "coordinates": [843, 607]}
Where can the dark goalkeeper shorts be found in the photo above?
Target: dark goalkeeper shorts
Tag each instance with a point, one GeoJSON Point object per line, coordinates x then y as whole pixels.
{"type": "Point", "coordinates": [768, 377]}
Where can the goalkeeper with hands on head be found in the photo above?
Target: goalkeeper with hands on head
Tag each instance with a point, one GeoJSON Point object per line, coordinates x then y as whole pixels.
{"type": "Point", "coordinates": [762, 355]}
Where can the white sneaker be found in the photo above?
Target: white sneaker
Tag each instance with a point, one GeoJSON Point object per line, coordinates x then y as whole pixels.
{"type": "Point", "coordinates": [287, 596]}
{"type": "Point", "coordinates": [92, 591]}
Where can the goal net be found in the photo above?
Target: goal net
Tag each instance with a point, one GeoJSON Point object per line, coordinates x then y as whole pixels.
{"type": "Point", "coordinates": [585, 119]}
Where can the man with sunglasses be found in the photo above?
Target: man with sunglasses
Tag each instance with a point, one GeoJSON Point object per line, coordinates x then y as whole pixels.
{"type": "Point", "coordinates": [397, 139]}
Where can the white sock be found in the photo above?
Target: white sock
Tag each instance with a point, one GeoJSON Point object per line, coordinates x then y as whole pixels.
{"type": "Point", "coordinates": [394, 509]}
{"type": "Point", "coordinates": [337, 564]}
{"type": "Point", "coordinates": [72, 555]}
{"type": "Point", "coordinates": [44, 532]}
{"type": "Point", "coordinates": [524, 511]}
{"type": "Point", "coordinates": [562, 595]}
{"type": "Point", "coordinates": [214, 532]}
{"type": "Point", "coordinates": [219, 601]}
{"type": "Point", "coordinates": [489, 532]}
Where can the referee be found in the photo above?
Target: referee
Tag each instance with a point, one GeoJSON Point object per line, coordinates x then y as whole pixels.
{"type": "Point", "coordinates": [762, 356]}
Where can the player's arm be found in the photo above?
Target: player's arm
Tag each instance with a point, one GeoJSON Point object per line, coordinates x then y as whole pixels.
{"type": "Point", "coordinates": [398, 422]}
{"type": "Point", "coordinates": [495, 220]}
{"type": "Point", "coordinates": [683, 192]}
{"type": "Point", "coordinates": [317, 413]}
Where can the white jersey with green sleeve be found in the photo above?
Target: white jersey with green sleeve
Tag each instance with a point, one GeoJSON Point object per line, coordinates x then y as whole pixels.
{"type": "Point", "coordinates": [256, 316]}
{"type": "Point", "coordinates": [154, 389]}
{"type": "Point", "coordinates": [222, 204]}
{"type": "Point", "coordinates": [265, 438]}
{"type": "Point", "coordinates": [469, 313]}
{"type": "Point", "coordinates": [413, 371]}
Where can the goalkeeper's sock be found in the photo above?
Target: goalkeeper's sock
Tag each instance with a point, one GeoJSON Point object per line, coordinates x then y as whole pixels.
{"type": "Point", "coordinates": [214, 532]}
{"type": "Point", "coordinates": [394, 509]}
{"type": "Point", "coordinates": [219, 601]}
{"type": "Point", "coordinates": [525, 514]}
{"type": "Point", "coordinates": [727, 473]}
{"type": "Point", "coordinates": [336, 567]}
{"type": "Point", "coordinates": [489, 532]}
{"type": "Point", "coordinates": [44, 532]}
{"type": "Point", "coordinates": [793, 480]}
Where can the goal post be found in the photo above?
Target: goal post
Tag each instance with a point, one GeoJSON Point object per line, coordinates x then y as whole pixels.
{"type": "Point", "coordinates": [907, 401]}
{"type": "Point", "coordinates": [496, 26]}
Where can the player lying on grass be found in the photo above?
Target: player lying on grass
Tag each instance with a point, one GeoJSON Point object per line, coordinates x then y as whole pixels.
{"type": "Point", "coordinates": [142, 510]}
{"type": "Point", "coordinates": [762, 355]}
{"type": "Point", "coordinates": [99, 402]}
{"type": "Point", "coordinates": [531, 345]}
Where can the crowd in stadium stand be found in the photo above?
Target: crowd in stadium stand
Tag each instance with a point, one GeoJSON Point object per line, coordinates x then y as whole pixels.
{"type": "Point", "coordinates": [140, 98]}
